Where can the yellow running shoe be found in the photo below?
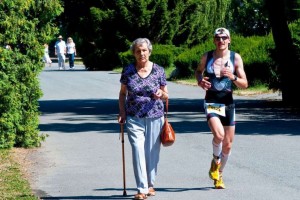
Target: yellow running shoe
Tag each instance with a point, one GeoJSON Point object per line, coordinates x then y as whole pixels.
{"type": "Point", "coordinates": [219, 184]}
{"type": "Point", "coordinates": [214, 170]}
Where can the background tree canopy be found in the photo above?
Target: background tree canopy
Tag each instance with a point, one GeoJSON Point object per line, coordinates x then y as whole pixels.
{"type": "Point", "coordinates": [104, 28]}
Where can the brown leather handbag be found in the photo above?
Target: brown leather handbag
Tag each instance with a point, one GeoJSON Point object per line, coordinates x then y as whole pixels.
{"type": "Point", "coordinates": [167, 135]}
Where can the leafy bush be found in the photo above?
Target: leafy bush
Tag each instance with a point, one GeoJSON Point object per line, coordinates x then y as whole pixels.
{"type": "Point", "coordinates": [19, 100]}
{"type": "Point", "coordinates": [187, 61]}
{"type": "Point", "coordinates": [126, 58]}
{"type": "Point", "coordinates": [164, 55]}
{"type": "Point", "coordinates": [295, 31]}
{"type": "Point", "coordinates": [256, 55]}
{"type": "Point", "coordinates": [20, 66]}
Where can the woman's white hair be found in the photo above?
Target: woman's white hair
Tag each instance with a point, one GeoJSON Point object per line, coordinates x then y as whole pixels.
{"type": "Point", "coordinates": [140, 41]}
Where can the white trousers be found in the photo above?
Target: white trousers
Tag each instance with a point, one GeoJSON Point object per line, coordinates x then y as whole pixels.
{"type": "Point", "coordinates": [61, 60]}
{"type": "Point", "coordinates": [144, 137]}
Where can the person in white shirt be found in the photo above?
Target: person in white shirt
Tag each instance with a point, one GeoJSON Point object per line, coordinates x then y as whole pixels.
{"type": "Point", "coordinates": [60, 51]}
{"type": "Point", "coordinates": [46, 57]}
{"type": "Point", "coordinates": [71, 52]}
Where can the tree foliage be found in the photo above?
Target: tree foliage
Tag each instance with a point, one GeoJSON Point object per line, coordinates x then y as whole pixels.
{"type": "Point", "coordinates": [25, 26]}
{"type": "Point", "coordinates": [249, 17]}
{"type": "Point", "coordinates": [107, 27]}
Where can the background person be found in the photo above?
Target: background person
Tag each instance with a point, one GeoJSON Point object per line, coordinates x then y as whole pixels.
{"type": "Point", "coordinates": [60, 51]}
{"type": "Point", "coordinates": [143, 88]}
{"type": "Point", "coordinates": [217, 72]}
{"type": "Point", "coordinates": [71, 52]}
{"type": "Point", "coordinates": [46, 57]}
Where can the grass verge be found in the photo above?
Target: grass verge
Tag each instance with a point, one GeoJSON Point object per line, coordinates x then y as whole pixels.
{"type": "Point", "coordinates": [13, 184]}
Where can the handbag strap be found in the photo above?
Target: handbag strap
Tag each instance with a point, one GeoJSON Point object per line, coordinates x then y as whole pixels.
{"type": "Point", "coordinates": [167, 105]}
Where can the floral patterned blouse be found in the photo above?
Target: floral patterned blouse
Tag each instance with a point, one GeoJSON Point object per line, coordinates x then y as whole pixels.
{"type": "Point", "coordinates": [140, 102]}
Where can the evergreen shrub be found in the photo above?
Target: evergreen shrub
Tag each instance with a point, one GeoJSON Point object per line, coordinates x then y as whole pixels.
{"type": "Point", "coordinates": [186, 62]}
{"type": "Point", "coordinates": [256, 54]}
{"type": "Point", "coordinates": [26, 26]}
{"type": "Point", "coordinates": [163, 55]}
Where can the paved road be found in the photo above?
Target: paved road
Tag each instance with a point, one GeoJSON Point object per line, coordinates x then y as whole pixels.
{"type": "Point", "coordinates": [81, 158]}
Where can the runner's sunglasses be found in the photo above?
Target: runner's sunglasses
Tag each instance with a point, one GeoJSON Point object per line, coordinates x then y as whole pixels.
{"type": "Point", "coordinates": [222, 37]}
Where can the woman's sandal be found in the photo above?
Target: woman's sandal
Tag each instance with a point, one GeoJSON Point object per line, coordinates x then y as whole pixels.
{"type": "Point", "coordinates": [140, 196]}
{"type": "Point", "coordinates": [151, 192]}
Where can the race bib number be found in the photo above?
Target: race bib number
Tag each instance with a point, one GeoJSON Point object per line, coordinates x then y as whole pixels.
{"type": "Point", "coordinates": [217, 108]}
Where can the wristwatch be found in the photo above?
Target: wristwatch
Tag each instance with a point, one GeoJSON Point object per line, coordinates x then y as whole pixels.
{"type": "Point", "coordinates": [235, 78]}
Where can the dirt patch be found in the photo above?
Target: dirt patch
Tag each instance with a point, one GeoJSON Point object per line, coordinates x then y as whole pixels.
{"type": "Point", "coordinates": [21, 157]}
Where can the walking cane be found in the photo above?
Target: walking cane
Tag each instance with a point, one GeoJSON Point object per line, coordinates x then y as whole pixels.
{"type": "Point", "coordinates": [123, 159]}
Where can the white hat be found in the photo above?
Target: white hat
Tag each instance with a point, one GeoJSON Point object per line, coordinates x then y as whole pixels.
{"type": "Point", "coordinates": [221, 31]}
{"type": "Point", "coordinates": [60, 37]}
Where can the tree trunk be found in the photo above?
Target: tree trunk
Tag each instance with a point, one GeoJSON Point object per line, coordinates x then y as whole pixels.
{"type": "Point", "coordinates": [285, 52]}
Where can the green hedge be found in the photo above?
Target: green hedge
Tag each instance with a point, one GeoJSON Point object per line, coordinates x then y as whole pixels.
{"type": "Point", "coordinates": [187, 61]}
{"type": "Point", "coordinates": [256, 54]}
{"type": "Point", "coordinates": [19, 88]}
{"type": "Point", "coordinates": [164, 55]}
{"type": "Point", "coordinates": [26, 26]}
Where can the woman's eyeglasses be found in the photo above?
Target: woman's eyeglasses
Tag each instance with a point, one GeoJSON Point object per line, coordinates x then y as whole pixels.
{"type": "Point", "coordinates": [222, 37]}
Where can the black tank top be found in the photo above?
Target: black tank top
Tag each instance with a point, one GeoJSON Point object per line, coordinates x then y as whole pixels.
{"type": "Point", "coordinates": [221, 88]}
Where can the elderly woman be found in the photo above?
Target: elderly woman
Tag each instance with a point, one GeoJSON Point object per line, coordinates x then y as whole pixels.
{"type": "Point", "coordinates": [143, 89]}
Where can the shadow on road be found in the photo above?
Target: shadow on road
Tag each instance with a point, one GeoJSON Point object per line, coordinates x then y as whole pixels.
{"type": "Point", "coordinates": [187, 116]}
{"type": "Point", "coordinates": [120, 190]}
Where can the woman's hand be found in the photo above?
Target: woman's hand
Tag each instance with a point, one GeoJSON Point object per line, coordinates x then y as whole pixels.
{"type": "Point", "coordinates": [160, 94]}
{"type": "Point", "coordinates": [121, 119]}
